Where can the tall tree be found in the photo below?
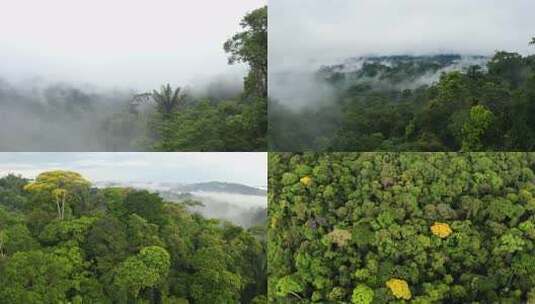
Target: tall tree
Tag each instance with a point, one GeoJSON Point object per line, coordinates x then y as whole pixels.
{"type": "Point", "coordinates": [62, 185]}
{"type": "Point", "coordinates": [250, 46]}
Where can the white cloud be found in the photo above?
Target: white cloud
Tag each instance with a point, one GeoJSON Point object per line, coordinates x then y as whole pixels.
{"type": "Point", "coordinates": [126, 43]}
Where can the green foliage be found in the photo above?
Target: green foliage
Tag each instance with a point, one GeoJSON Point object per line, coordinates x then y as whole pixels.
{"type": "Point", "coordinates": [480, 120]}
{"type": "Point", "coordinates": [121, 246]}
{"type": "Point", "coordinates": [286, 286]}
{"type": "Point", "coordinates": [229, 123]}
{"type": "Point", "coordinates": [36, 277]}
{"type": "Point", "coordinates": [144, 270]}
{"type": "Point", "coordinates": [380, 227]}
{"type": "Point", "coordinates": [145, 204]}
{"type": "Point", "coordinates": [250, 46]}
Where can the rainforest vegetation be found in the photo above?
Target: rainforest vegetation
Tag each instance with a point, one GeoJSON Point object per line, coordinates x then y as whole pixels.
{"type": "Point", "coordinates": [218, 116]}
{"type": "Point", "coordinates": [221, 125]}
{"type": "Point", "coordinates": [394, 103]}
{"type": "Point", "coordinates": [390, 227]}
{"type": "Point", "coordinates": [64, 241]}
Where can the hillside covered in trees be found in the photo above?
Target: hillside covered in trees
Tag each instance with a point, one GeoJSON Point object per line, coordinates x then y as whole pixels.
{"type": "Point", "coordinates": [373, 228]}
{"type": "Point", "coordinates": [64, 241]}
{"type": "Point", "coordinates": [413, 103]}
{"type": "Point", "coordinates": [219, 115]}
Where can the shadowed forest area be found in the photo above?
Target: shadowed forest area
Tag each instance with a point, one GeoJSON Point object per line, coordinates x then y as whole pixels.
{"type": "Point", "coordinates": [412, 103]}
{"type": "Point", "coordinates": [64, 241]}
{"type": "Point", "coordinates": [219, 116]}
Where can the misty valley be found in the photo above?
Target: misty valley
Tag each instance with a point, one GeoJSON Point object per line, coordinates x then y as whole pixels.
{"type": "Point", "coordinates": [444, 102]}
{"type": "Point", "coordinates": [219, 115]}
{"type": "Point", "coordinates": [64, 239]}
{"type": "Point", "coordinates": [240, 204]}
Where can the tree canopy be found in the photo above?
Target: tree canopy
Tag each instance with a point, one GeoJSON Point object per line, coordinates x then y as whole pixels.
{"type": "Point", "coordinates": [401, 227]}
{"type": "Point", "coordinates": [119, 245]}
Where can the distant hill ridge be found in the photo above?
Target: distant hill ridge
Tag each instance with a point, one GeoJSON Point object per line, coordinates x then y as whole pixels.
{"type": "Point", "coordinates": [221, 187]}
{"type": "Point", "coordinates": [397, 69]}
{"type": "Point", "coordinates": [213, 186]}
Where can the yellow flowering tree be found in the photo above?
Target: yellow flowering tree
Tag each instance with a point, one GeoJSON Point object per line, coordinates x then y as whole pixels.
{"type": "Point", "coordinates": [61, 185]}
{"type": "Point", "coordinates": [399, 288]}
{"type": "Point", "coordinates": [441, 230]}
{"type": "Point", "coordinates": [307, 180]}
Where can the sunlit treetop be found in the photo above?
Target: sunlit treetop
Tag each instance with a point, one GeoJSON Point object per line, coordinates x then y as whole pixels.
{"type": "Point", "coordinates": [362, 294]}
{"type": "Point", "coordinates": [52, 180]}
{"type": "Point", "coordinates": [307, 180]}
{"type": "Point", "coordinates": [441, 230]}
{"type": "Point", "coordinates": [399, 288]}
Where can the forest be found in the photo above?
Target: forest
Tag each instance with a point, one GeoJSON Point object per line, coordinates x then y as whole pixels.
{"type": "Point", "coordinates": [217, 116]}
{"type": "Point", "coordinates": [414, 103]}
{"type": "Point", "coordinates": [388, 227]}
{"type": "Point", "coordinates": [62, 240]}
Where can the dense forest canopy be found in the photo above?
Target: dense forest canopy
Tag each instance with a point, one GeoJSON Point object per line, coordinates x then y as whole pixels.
{"type": "Point", "coordinates": [64, 241]}
{"type": "Point", "coordinates": [413, 103]}
{"type": "Point", "coordinates": [219, 116]}
{"type": "Point", "coordinates": [373, 228]}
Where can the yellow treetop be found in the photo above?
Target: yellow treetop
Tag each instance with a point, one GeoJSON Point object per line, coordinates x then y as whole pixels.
{"type": "Point", "coordinates": [52, 180]}
{"type": "Point", "coordinates": [399, 288]}
{"type": "Point", "coordinates": [441, 230]}
{"type": "Point", "coordinates": [307, 180]}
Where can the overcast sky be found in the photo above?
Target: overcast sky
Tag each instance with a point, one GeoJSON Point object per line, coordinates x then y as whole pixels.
{"type": "Point", "coordinates": [245, 168]}
{"type": "Point", "coordinates": [305, 31]}
{"type": "Point", "coordinates": [118, 43]}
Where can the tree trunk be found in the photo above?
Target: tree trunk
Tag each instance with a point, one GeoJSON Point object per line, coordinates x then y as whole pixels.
{"type": "Point", "coordinates": [58, 207]}
{"type": "Point", "coordinates": [63, 207]}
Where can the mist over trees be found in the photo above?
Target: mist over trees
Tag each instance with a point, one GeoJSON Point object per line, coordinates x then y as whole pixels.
{"type": "Point", "coordinates": [407, 103]}
{"type": "Point", "coordinates": [64, 241]}
{"type": "Point", "coordinates": [218, 116]}
{"type": "Point", "coordinates": [239, 124]}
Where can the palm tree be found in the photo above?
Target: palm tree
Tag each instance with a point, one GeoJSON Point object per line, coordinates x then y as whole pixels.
{"type": "Point", "coordinates": [168, 100]}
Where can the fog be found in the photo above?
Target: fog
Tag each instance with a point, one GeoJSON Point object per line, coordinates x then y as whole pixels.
{"type": "Point", "coordinates": [60, 117]}
{"type": "Point", "coordinates": [69, 68]}
{"type": "Point", "coordinates": [308, 34]}
{"type": "Point", "coordinates": [312, 32]}
{"type": "Point", "coordinates": [127, 44]}
{"type": "Point", "coordinates": [244, 210]}
{"type": "Point", "coordinates": [36, 115]}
